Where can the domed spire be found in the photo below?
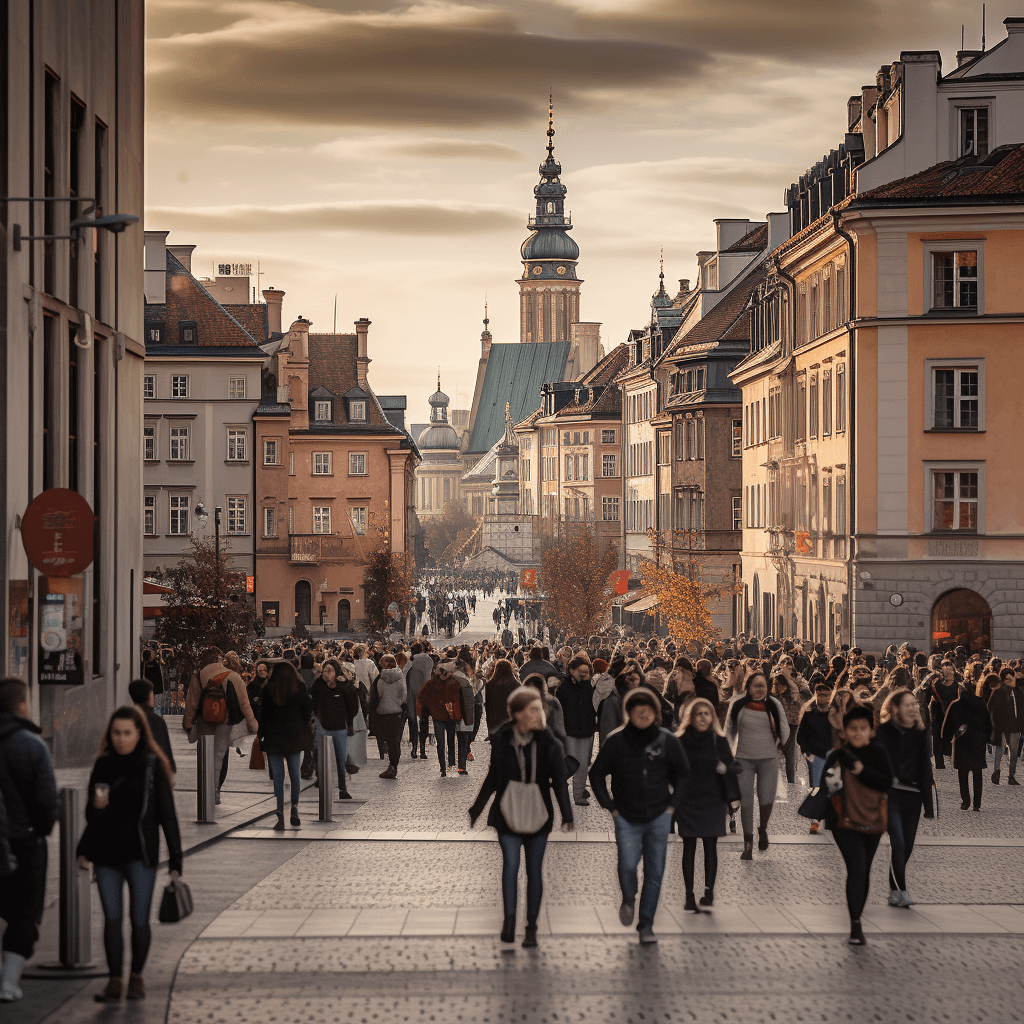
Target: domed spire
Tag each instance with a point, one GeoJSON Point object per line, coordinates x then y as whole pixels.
{"type": "Point", "coordinates": [661, 297]}
{"type": "Point", "coordinates": [439, 404]}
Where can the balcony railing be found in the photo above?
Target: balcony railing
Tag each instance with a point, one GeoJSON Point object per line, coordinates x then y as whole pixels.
{"type": "Point", "coordinates": [314, 547]}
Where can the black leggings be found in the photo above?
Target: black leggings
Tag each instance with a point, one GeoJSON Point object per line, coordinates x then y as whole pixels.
{"type": "Point", "coordinates": [904, 817]}
{"type": "Point", "coordinates": [858, 852]}
{"type": "Point", "coordinates": [710, 860]}
{"type": "Point", "coordinates": [979, 781]}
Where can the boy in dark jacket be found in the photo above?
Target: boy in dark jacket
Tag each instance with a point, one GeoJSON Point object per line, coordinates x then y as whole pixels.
{"type": "Point", "coordinates": [647, 765]}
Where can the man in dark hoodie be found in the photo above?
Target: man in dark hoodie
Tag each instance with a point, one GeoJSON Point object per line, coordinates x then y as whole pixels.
{"type": "Point", "coordinates": [647, 765]}
{"type": "Point", "coordinates": [30, 796]}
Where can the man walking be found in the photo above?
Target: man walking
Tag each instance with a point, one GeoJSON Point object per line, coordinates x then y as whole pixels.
{"type": "Point", "coordinates": [576, 695]}
{"type": "Point", "coordinates": [30, 797]}
{"type": "Point", "coordinates": [141, 693]}
{"type": "Point", "coordinates": [647, 764]}
{"type": "Point", "coordinates": [152, 671]}
{"type": "Point", "coordinates": [418, 669]}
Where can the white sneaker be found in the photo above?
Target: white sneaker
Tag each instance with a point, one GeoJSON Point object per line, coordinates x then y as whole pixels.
{"type": "Point", "coordinates": [907, 901]}
{"type": "Point", "coordinates": [895, 898]}
{"type": "Point", "coordinates": [9, 993]}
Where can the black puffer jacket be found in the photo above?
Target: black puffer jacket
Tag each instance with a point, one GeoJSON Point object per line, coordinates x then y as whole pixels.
{"type": "Point", "coordinates": [968, 712]}
{"type": "Point", "coordinates": [26, 778]}
{"type": "Point", "coordinates": [141, 803]}
{"type": "Point", "coordinates": [335, 706]}
{"type": "Point", "coordinates": [577, 700]}
{"type": "Point", "coordinates": [1006, 706]}
{"type": "Point", "coordinates": [814, 734]}
{"type": "Point", "coordinates": [908, 749]}
{"type": "Point", "coordinates": [647, 767]}
{"type": "Point", "coordinates": [284, 728]}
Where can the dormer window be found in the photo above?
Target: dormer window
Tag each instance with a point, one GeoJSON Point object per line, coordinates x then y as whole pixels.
{"type": "Point", "coordinates": [189, 331]}
{"type": "Point", "coordinates": [357, 412]}
{"type": "Point", "coordinates": [322, 412]}
{"type": "Point", "coordinates": [154, 333]}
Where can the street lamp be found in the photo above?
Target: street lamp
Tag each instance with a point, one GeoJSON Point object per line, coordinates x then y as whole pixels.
{"type": "Point", "coordinates": [113, 222]}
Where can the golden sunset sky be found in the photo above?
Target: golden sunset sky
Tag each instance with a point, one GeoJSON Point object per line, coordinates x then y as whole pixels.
{"type": "Point", "coordinates": [386, 152]}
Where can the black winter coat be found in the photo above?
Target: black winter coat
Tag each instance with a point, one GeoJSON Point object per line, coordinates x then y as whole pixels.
{"type": "Point", "coordinates": [284, 728]}
{"type": "Point", "coordinates": [158, 727]}
{"type": "Point", "coordinates": [647, 767]}
{"type": "Point", "coordinates": [814, 733]}
{"type": "Point", "coordinates": [504, 768]}
{"type": "Point", "coordinates": [577, 700]}
{"type": "Point", "coordinates": [141, 803]}
{"type": "Point", "coordinates": [971, 713]}
{"type": "Point", "coordinates": [335, 707]}
{"type": "Point", "coordinates": [26, 778]}
{"type": "Point", "coordinates": [908, 750]}
{"type": "Point", "coordinates": [706, 794]}
{"type": "Point", "coordinates": [1006, 706]}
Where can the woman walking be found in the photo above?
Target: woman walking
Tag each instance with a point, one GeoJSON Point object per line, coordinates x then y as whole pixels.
{"type": "Point", "coordinates": [285, 712]}
{"type": "Point", "coordinates": [757, 728]}
{"type": "Point", "coordinates": [441, 695]}
{"type": "Point", "coordinates": [710, 789]}
{"type": "Point", "coordinates": [1006, 706]}
{"type": "Point", "coordinates": [523, 750]}
{"type": "Point", "coordinates": [905, 739]}
{"type": "Point", "coordinates": [857, 816]}
{"type": "Point", "coordinates": [389, 706]}
{"type": "Point", "coordinates": [968, 727]}
{"type": "Point", "coordinates": [335, 706]}
{"type": "Point", "coordinates": [130, 801]}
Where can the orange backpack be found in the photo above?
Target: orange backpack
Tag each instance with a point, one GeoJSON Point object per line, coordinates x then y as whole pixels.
{"type": "Point", "coordinates": [214, 701]}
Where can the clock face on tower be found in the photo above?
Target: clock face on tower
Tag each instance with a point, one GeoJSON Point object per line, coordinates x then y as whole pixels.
{"type": "Point", "coordinates": [560, 271]}
{"type": "Point", "coordinates": [536, 270]}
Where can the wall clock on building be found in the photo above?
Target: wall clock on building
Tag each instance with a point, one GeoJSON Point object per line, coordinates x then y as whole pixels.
{"type": "Point", "coordinates": [561, 270]}
{"type": "Point", "coordinates": [536, 270]}
{"type": "Point", "coordinates": [896, 600]}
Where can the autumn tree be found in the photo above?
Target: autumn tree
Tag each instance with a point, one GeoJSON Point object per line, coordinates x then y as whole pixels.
{"type": "Point", "coordinates": [446, 533]}
{"type": "Point", "coordinates": [207, 606]}
{"type": "Point", "coordinates": [574, 579]}
{"type": "Point", "coordinates": [388, 578]}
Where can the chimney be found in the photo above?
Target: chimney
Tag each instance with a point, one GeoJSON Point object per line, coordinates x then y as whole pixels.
{"type": "Point", "coordinates": [273, 297]}
{"type": "Point", "coordinates": [853, 105]}
{"type": "Point", "coordinates": [868, 95]}
{"type": "Point", "coordinates": [155, 267]}
{"type": "Point", "coordinates": [779, 229]}
{"type": "Point", "coordinates": [586, 339]}
{"type": "Point", "coordinates": [183, 254]}
{"type": "Point", "coordinates": [963, 56]}
{"type": "Point", "coordinates": [298, 340]}
{"type": "Point", "coordinates": [362, 359]}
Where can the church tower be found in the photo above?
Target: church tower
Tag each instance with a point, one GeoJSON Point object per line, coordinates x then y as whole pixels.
{"type": "Point", "coordinates": [549, 291]}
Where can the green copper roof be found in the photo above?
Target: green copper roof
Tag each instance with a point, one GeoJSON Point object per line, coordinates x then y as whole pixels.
{"type": "Point", "coordinates": [514, 375]}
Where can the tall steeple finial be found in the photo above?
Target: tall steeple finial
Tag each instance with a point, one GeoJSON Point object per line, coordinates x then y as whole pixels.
{"type": "Point", "coordinates": [439, 378]}
{"type": "Point", "coordinates": [660, 297]}
{"type": "Point", "coordinates": [661, 264]}
{"type": "Point", "coordinates": [486, 319]}
{"type": "Point", "coordinates": [551, 124]}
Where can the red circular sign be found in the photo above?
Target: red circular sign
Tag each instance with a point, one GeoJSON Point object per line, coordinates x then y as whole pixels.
{"type": "Point", "coordinates": [56, 530]}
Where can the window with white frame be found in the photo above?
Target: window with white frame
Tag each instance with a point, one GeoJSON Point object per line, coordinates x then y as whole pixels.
{"type": "Point", "coordinates": [323, 464]}
{"type": "Point", "coordinates": [237, 444]}
{"type": "Point", "coordinates": [357, 411]}
{"type": "Point", "coordinates": [610, 509]}
{"type": "Point", "coordinates": [956, 397]}
{"type": "Point", "coordinates": [149, 443]}
{"type": "Point", "coordinates": [321, 518]}
{"type": "Point", "coordinates": [149, 385]}
{"type": "Point", "coordinates": [955, 499]}
{"type": "Point", "coordinates": [322, 412]}
{"type": "Point", "coordinates": [179, 437]}
{"type": "Point", "coordinates": [607, 437]}
{"type": "Point", "coordinates": [179, 506]}
{"type": "Point", "coordinates": [269, 522]}
{"type": "Point", "coordinates": [973, 131]}
{"type": "Point", "coordinates": [608, 465]}
{"type": "Point", "coordinates": [271, 448]}
{"type": "Point", "coordinates": [955, 280]}
{"type": "Point", "coordinates": [236, 387]}
{"type": "Point", "coordinates": [737, 439]}
{"type": "Point", "coordinates": [826, 403]}
{"type": "Point", "coordinates": [737, 512]}
{"type": "Point", "coordinates": [358, 516]}
{"type": "Point", "coordinates": [149, 515]}
{"type": "Point", "coordinates": [357, 464]}
{"type": "Point", "coordinates": [236, 515]}
{"type": "Point", "coordinates": [179, 385]}
{"type": "Point", "coordinates": [840, 398]}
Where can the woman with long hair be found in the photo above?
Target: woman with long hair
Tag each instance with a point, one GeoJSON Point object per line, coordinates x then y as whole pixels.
{"type": "Point", "coordinates": [500, 683]}
{"type": "Point", "coordinates": [335, 706]}
{"type": "Point", "coordinates": [905, 738]}
{"type": "Point", "coordinates": [523, 750]}
{"type": "Point", "coordinates": [757, 729]}
{"type": "Point", "coordinates": [130, 801]}
{"type": "Point", "coordinates": [285, 712]}
{"type": "Point", "coordinates": [708, 792]}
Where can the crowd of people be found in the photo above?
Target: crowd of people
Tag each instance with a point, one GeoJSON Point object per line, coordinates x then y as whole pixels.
{"type": "Point", "coordinates": [663, 736]}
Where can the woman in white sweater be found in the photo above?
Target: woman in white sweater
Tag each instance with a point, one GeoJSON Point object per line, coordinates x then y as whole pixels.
{"type": "Point", "coordinates": [757, 729]}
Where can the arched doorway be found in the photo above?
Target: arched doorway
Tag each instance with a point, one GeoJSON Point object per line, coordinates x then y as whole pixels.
{"type": "Point", "coordinates": [344, 615]}
{"type": "Point", "coordinates": [303, 603]}
{"type": "Point", "coordinates": [961, 618]}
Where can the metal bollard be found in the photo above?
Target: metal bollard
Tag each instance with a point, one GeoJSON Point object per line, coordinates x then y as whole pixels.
{"type": "Point", "coordinates": [206, 781]}
{"type": "Point", "coordinates": [75, 926]}
{"type": "Point", "coordinates": [325, 768]}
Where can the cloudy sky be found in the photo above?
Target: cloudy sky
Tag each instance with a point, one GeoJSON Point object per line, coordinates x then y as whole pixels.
{"type": "Point", "coordinates": [385, 152]}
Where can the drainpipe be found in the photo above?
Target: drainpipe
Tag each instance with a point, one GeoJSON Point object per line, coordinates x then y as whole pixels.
{"type": "Point", "coordinates": [852, 398]}
{"type": "Point", "coordinates": [791, 583]}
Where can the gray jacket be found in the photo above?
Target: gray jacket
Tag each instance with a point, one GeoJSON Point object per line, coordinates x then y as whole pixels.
{"type": "Point", "coordinates": [391, 690]}
{"type": "Point", "coordinates": [417, 671]}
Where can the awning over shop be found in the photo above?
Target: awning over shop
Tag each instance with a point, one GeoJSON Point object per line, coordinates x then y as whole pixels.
{"type": "Point", "coordinates": [646, 604]}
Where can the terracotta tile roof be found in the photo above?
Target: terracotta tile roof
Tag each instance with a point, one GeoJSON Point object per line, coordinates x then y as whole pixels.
{"type": "Point", "coordinates": [994, 178]}
{"type": "Point", "coordinates": [189, 302]}
{"type": "Point", "coordinates": [752, 241]}
{"type": "Point", "coordinates": [727, 321]}
{"type": "Point", "coordinates": [253, 317]}
{"type": "Point", "coordinates": [332, 366]}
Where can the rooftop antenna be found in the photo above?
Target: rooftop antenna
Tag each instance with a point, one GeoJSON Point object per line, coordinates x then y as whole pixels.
{"type": "Point", "coordinates": [961, 37]}
{"type": "Point", "coordinates": [335, 331]}
{"type": "Point", "coordinates": [982, 28]}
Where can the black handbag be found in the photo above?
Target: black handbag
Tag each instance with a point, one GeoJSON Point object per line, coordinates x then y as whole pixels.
{"type": "Point", "coordinates": [816, 804]}
{"type": "Point", "coordinates": [176, 903]}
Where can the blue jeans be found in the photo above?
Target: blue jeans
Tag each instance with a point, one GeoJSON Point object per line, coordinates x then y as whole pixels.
{"type": "Point", "coordinates": [651, 841]}
{"type": "Point", "coordinates": [277, 773]}
{"type": "Point", "coordinates": [511, 843]}
{"type": "Point", "coordinates": [814, 767]}
{"type": "Point", "coordinates": [110, 883]}
{"type": "Point", "coordinates": [339, 737]}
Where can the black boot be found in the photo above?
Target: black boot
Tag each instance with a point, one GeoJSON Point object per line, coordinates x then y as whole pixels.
{"type": "Point", "coordinates": [762, 832]}
{"type": "Point", "coordinates": [856, 934]}
{"type": "Point", "coordinates": [708, 899]}
{"type": "Point", "coordinates": [691, 904]}
{"type": "Point", "coordinates": [530, 939]}
{"type": "Point", "coordinates": [295, 815]}
{"type": "Point", "coordinates": [508, 929]}
{"type": "Point", "coordinates": [748, 847]}
{"type": "Point", "coordinates": [279, 824]}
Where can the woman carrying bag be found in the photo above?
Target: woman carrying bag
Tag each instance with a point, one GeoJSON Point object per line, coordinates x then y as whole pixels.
{"type": "Point", "coordinates": [130, 801]}
{"type": "Point", "coordinates": [526, 763]}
